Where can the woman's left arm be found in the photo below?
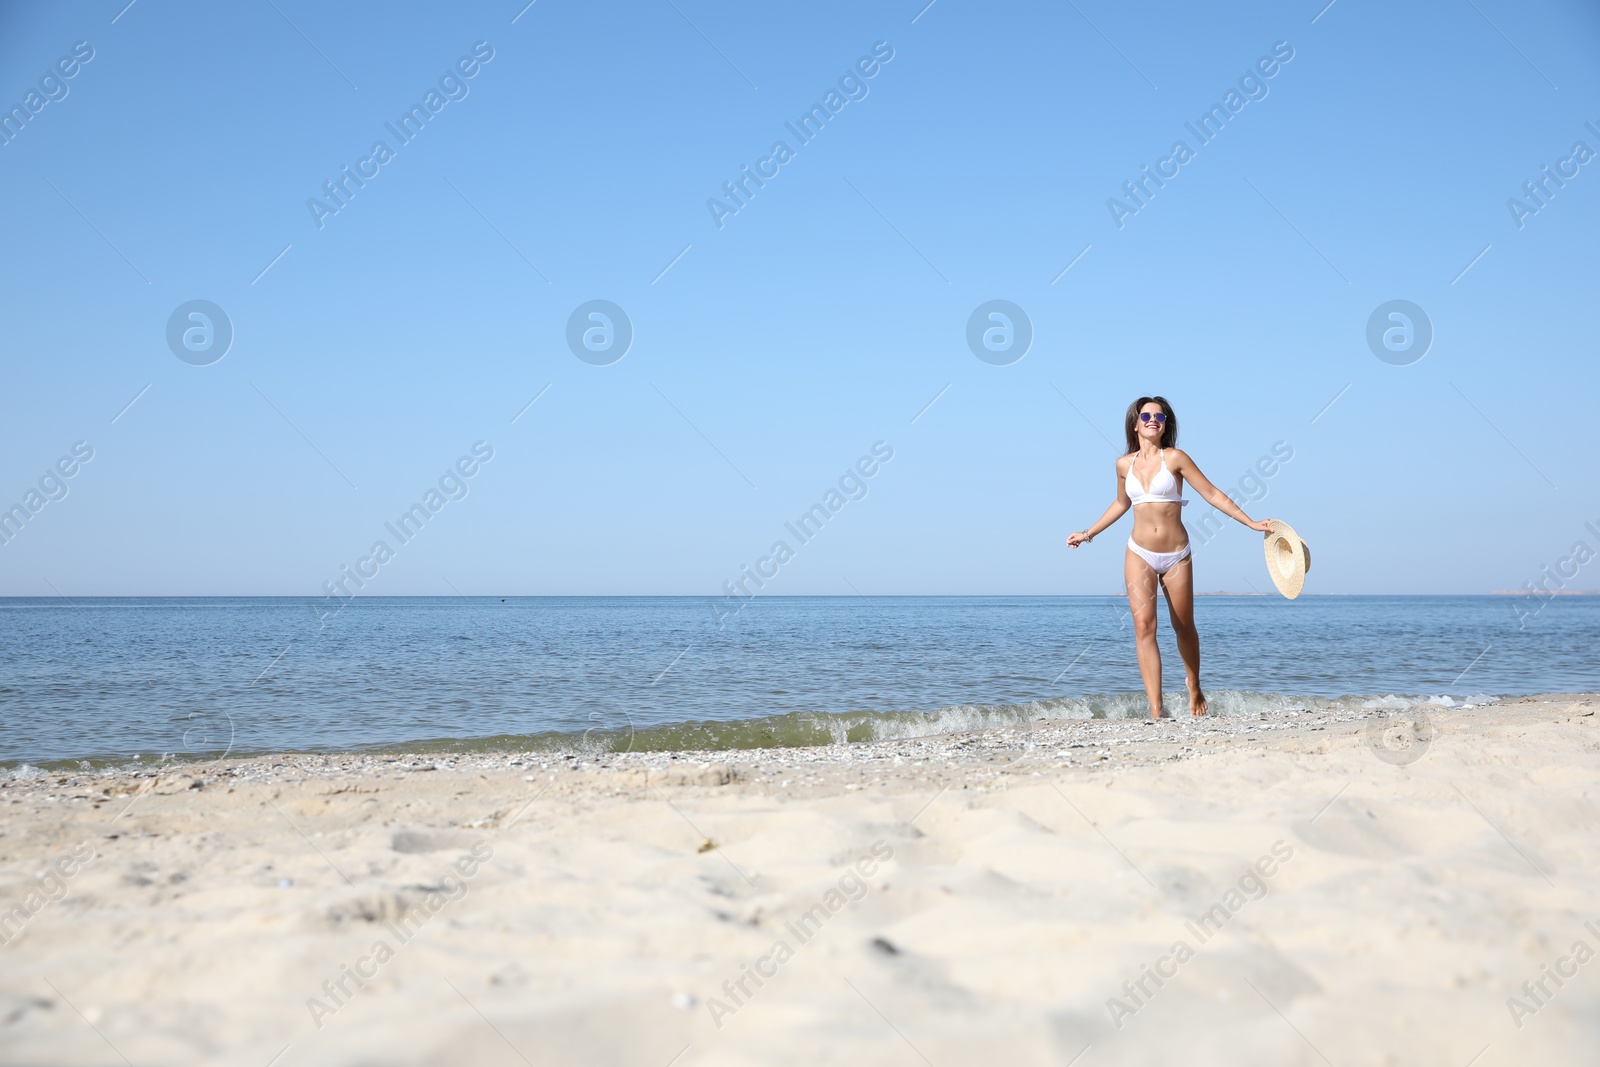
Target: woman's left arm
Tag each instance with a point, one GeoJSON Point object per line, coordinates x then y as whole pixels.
{"type": "Point", "coordinates": [1216, 497]}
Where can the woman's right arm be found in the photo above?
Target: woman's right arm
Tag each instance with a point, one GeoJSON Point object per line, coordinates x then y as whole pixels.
{"type": "Point", "coordinates": [1118, 508]}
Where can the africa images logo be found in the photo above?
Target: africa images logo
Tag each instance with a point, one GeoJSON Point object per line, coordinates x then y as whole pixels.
{"type": "Point", "coordinates": [199, 332]}
{"type": "Point", "coordinates": [599, 332]}
{"type": "Point", "coordinates": [1399, 332]}
{"type": "Point", "coordinates": [999, 332]}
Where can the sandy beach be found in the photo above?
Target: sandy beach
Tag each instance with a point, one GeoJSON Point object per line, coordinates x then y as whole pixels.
{"type": "Point", "coordinates": [1230, 891]}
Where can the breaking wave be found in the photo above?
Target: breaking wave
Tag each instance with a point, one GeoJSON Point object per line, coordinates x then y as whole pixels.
{"type": "Point", "coordinates": [810, 728]}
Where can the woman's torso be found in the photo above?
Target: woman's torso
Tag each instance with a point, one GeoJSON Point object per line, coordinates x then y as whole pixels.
{"type": "Point", "coordinates": [1157, 524]}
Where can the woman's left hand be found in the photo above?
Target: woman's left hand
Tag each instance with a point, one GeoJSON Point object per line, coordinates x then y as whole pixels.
{"type": "Point", "coordinates": [1261, 525]}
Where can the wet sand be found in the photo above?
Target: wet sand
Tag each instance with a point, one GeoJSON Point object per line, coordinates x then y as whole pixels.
{"type": "Point", "coordinates": [1263, 890]}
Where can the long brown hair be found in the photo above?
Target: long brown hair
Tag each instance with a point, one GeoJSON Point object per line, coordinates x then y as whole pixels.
{"type": "Point", "coordinates": [1169, 434]}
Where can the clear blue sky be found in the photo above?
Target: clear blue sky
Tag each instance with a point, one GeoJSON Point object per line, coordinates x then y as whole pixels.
{"type": "Point", "coordinates": [819, 319]}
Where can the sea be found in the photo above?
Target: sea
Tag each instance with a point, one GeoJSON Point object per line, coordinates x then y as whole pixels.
{"type": "Point", "coordinates": [89, 682]}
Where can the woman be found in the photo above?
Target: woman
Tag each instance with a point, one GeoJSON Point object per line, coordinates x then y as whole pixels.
{"type": "Point", "coordinates": [1149, 480]}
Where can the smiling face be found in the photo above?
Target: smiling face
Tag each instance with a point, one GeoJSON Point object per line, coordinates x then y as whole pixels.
{"type": "Point", "coordinates": [1152, 423]}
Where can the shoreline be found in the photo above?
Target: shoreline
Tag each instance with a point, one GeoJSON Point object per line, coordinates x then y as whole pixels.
{"type": "Point", "coordinates": [796, 730]}
{"type": "Point", "coordinates": [998, 894]}
{"type": "Point", "coordinates": [1027, 740]}
{"type": "Point", "coordinates": [1057, 734]}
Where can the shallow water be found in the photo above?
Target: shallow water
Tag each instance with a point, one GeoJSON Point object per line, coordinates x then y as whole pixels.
{"type": "Point", "coordinates": [112, 678]}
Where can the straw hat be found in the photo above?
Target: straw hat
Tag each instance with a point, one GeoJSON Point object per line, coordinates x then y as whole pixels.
{"type": "Point", "coordinates": [1288, 558]}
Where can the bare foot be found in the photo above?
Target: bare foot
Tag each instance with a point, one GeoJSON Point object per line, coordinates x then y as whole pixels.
{"type": "Point", "coordinates": [1198, 704]}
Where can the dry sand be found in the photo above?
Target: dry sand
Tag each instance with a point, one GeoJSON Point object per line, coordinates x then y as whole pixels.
{"type": "Point", "coordinates": [976, 898]}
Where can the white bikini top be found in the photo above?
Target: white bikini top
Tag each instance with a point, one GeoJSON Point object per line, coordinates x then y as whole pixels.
{"type": "Point", "coordinates": [1163, 487]}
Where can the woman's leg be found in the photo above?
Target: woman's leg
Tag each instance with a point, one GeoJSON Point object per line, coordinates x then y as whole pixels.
{"type": "Point", "coordinates": [1179, 585]}
{"type": "Point", "coordinates": [1142, 603]}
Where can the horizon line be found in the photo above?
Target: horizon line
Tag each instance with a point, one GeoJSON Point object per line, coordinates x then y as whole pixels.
{"type": "Point", "coordinates": [709, 596]}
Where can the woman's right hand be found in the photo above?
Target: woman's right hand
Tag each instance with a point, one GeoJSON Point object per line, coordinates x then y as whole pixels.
{"type": "Point", "coordinates": [1079, 538]}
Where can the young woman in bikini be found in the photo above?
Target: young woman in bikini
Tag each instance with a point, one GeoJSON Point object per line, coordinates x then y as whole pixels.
{"type": "Point", "coordinates": [1149, 480]}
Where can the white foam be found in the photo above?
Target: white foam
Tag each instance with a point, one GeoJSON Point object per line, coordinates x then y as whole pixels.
{"type": "Point", "coordinates": [1224, 703]}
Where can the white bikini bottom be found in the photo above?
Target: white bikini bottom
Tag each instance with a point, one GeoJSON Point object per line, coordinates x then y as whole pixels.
{"type": "Point", "coordinates": [1160, 562]}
